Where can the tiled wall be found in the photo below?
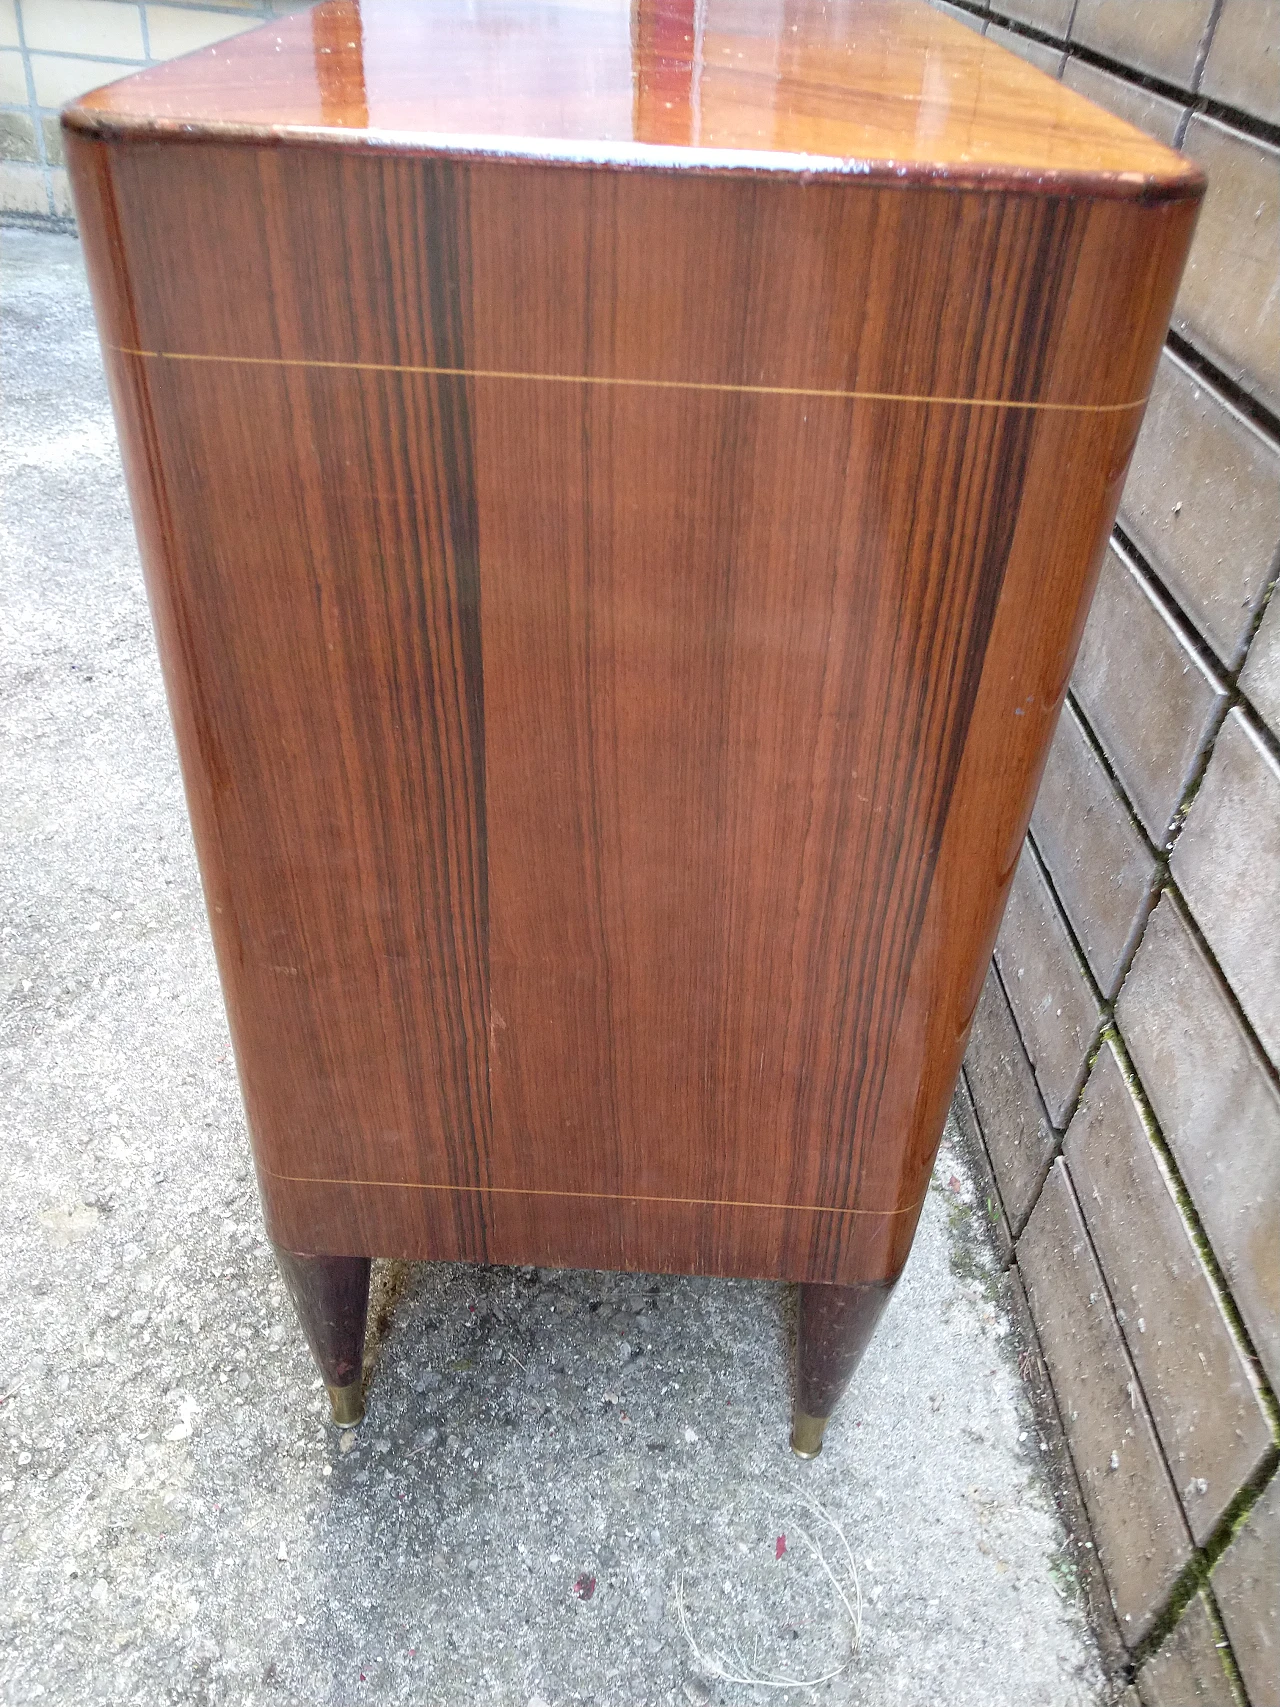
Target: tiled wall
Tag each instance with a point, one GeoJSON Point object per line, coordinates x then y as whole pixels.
{"type": "Point", "coordinates": [1122, 1069]}
{"type": "Point", "coordinates": [53, 50]}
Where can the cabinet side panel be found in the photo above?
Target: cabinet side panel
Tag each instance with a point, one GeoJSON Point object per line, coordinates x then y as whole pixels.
{"type": "Point", "coordinates": [606, 791]}
{"type": "Point", "coordinates": [1074, 478]}
{"type": "Point", "coordinates": [310, 545]}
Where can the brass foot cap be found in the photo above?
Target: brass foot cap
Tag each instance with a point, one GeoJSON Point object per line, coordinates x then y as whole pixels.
{"type": "Point", "coordinates": [347, 1404]}
{"type": "Point", "coordinates": [806, 1434]}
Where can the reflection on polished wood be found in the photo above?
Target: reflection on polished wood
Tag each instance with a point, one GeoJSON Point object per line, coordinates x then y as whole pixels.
{"type": "Point", "coordinates": [620, 491]}
{"type": "Point", "coordinates": [870, 88]}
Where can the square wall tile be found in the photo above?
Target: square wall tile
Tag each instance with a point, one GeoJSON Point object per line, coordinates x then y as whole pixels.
{"type": "Point", "coordinates": [1015, 1129]}
{"type": "Point", "coordinates": [1202, 504]}
{"type": "Point", "coordinates": [1226, 864]}
{"type": "Point", "coordinates": [1186, 1670]}
{"type": "Point", "coordinates": [1202, 1397]}
{"type": "Point", "coordinates": [1145, 692]}
{"type": "Point", "coordinates": [52, 138]}
{"type": "Point", "coordinates": [1218, 1110]}
{"type": "Point", "coordinates": [8, 24]}
{"type": "Point", "coordinates": [1051, 16]}
{"type": "Point", "coordinates": [1162, 39]}
{"type": "Point", "coordinates": [59, 80]}
{"type": "Point", "coordinates": [22, 188]}
{"type": "Point", "coordinates": [1057, 1013]}
{"type": "Point", "coordinates": [89, 27]}
{"type": "Point", "coordinates": [1143, 1544]}
{"type": "Point", "coordinates": [1243, 67]}
{"type": "Point", "coordinates": [959, 15]}
{"type": "Point", "coordinates": [1128, 101]}
{"type": "Point", "coordinates": [1099, 861]}
{"type": "Point", "coordinates": [173, 30]}
{"type": "Point", "coordinates": [1260, 678]}
{"type": "Point", "coordinates": [13, 79]}
{"type": "Point", "coordinates": [1245, 1582]}
{"type": "Point", "coordinates": [988, 1193]}
{"type": "Point", "coordinates": [1229, 303]}
{"type": "Point", "coordinates": [1037, 53]}
{"type": "Point", "coordinates": [18, 138]}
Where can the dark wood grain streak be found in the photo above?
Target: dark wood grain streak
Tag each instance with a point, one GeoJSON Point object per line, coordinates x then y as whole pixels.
{"type": "Point", "coordinates": [966, 542]}
{"type": "Point", "coordinates": [614, 617]}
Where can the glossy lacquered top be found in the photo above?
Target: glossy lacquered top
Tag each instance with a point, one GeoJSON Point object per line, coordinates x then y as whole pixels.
{"type": "Point", "coordinates": [882, 89]}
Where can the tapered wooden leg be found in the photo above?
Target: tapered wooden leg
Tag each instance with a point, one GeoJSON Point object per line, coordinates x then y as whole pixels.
{"type": "Point", "coordinates": [331, 1296]}
{"type": "Point", "coordinates": [836, 1325]}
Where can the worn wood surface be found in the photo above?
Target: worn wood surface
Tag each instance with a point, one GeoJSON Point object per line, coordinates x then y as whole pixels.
{"type": "Point", "coordinates": [614, 614]}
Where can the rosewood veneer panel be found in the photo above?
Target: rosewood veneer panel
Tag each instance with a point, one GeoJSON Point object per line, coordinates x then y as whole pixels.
{"type": "Point", "coordinates": [616, 587]}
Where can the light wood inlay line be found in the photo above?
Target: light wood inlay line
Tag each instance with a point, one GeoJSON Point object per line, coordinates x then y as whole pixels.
{"type": "Point", "coordinates": [650, 384]}
{"type": "Point", "coordinates": [606, 1196]}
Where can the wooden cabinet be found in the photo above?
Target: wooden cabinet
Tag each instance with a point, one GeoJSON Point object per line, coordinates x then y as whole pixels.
{"type": "Point", "coordinates": [620, 489]}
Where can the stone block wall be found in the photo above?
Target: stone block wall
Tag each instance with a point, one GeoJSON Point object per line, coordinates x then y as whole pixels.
{"type": "Point", "coordinates": [1122, 1069]}
{"type": "Point", "coordinates": [53, 50]}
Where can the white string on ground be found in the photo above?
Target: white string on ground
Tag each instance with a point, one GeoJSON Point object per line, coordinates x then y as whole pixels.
{"type": "Point", "coordinates": [716, 1665]}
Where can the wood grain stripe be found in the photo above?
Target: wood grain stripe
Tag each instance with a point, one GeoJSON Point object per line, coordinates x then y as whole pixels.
{"type": "Point", "coordinates": [960, 551]}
